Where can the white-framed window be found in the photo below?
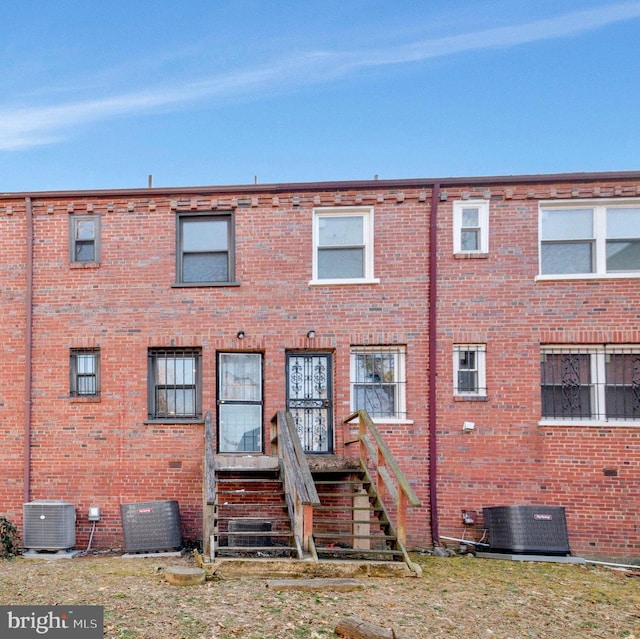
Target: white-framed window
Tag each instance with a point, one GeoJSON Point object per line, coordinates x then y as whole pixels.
{"type": "Point", "coordinates": [584, 239]}
{"type": "Point", "coordinates": [469, 370]}
{"type": "Point", "coordinates": [343, 245]}
{"type": "Point", "coordinates": [590, 383]}
{"type": "Point", "coordinates": [471, 226]}
{"type": "Point", "coordinates": [378, 383]}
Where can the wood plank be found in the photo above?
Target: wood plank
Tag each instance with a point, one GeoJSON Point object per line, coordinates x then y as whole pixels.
{"type": "Point", "coordinates": [312, 585]}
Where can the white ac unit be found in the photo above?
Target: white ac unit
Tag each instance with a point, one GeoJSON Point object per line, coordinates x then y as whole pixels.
{"type": "Point", "coordinates": [49, 525]}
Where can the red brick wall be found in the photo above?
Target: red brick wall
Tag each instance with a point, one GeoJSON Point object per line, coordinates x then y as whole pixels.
{"type": "Point", "coordinates": [105, 453]}
{"type": "Point", "coordinates": [509, 459]}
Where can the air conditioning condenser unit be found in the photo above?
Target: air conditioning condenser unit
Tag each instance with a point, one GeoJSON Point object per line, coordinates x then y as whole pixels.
{"type": "Point", "coordinates": [151, 526]}
{"type": "Point", "coordinates": [49, 525]}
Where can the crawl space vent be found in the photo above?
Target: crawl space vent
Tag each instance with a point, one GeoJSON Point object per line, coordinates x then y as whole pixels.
{"type": "Point", "coordinates": [49, 525]}
{"type": "Point", "coordinates": [151, 526]}
{"type": "Point", "coordinates": [531, 530]}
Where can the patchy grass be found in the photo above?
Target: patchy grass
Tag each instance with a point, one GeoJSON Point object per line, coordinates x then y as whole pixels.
{"type": "Point", "coordinates": [456, 598]}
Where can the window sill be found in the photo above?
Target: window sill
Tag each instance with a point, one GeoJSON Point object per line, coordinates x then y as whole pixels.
{"type": "Point", "coordinates": [203, 284]}
{"type": "Point", "coordinates": [384, 420]}
{"type": "Point", "coordinates": [576, 423]}
{"type": "Point", "coordinates": [470, 398]}
{"type": "Point", "coordinates": [373, 280]}
{"type": "Point", "coordinates": [471, 255]}
{"type": "Point", "coordinates": [87, 399]}
{"type": "Point", "coordinates": [173, 421]}
{"type": "Point", "coordinates": [587, 276]}
{"type": "Point", "coordinates": [83, 265]}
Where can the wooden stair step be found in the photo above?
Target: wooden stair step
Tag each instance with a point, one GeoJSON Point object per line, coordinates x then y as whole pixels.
{"type": "Point", "coordinates": [357, 551]}
{"type": "Point", "coordinates": [338, 507]}
{"type": "Point", "coordinates": [256, 533]}
{"type": "Point", "coordinates": [252, 549]}
{"type": "Point", "coordinates": [338, 482]}
{"type": "Point", "coordinates": [333, 535]}
{"type": "Point", "coordinates": [372, 522]}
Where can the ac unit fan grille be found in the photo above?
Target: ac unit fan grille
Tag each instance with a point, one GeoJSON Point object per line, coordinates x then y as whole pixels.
{"type": "Point", "coordinates": [49, 525]}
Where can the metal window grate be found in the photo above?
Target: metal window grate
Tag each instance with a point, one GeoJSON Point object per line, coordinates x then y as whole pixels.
{"type": "Point", "coordinates": [84, 372]}
{"type": "Point", "coordinates": [469, 370]}
{"type": "Point", "coordinates": [175, 385]}
{"type": "Point", "coordinates": [592, 383]}
{"type": "Point", "coordinates": [378, 383]}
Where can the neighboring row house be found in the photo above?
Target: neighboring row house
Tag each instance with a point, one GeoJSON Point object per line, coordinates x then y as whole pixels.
{"type": "Point", "coordinates": [490, 326]}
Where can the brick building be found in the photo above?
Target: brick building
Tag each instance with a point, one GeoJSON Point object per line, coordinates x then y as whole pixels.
{"type": "Point", "coordinates": [130, 314]}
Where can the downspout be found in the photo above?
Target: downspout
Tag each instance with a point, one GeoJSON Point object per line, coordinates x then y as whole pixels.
{"type": "Point", "coordinates": [433, 291]}
{"type": "Point", "coordinates": [28, 345]}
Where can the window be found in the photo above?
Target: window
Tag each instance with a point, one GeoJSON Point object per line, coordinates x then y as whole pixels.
{"type": "Point", "coordinates": [84, 238]}
{"type": "Point", "coordinates": [84, 372]}
{"type": "Point", "coordinates": [343, 245]}
{"type": "Point", "coordinates": [378, 381]}
{"type": "Point", "coordinates": [590, 240]}
{"type": "Point", "coordinates": [175, 386]}
{"type": "Point", "coordinates": [471, 226]}
{"type": "Point", "coordinates": [591, 383]}
{"type": "Point", "coordinates": [239, 402]}
{"type": "Point", "coordinates": [469, 375]}
{"type": "Point", "coordinates": [205, 249]}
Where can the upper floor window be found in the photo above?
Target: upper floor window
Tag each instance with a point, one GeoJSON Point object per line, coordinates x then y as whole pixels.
{"type": "Point", "coordinates": [84, 238]}
{"type": "Point", "coordinates": [84, 372]}
{"type": "Point", "coordinates": [175, 384]}
{"type": "Point", "coordinates": [471, 226]}
{"type": "Point", "coordinates": [378, 381]}
{"type": "Point", "coordinates": [343, 245]}
{"type": "Point", "coordinates": [205, 249]}
{"type": "Point", "coordinates": [590, 383]}
{"type": "Point", "coordinates": [469, 370]}
{"type": "Point", "coordinates": [583, 240]}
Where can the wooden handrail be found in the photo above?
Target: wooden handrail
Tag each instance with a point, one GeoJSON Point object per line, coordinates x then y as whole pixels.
{"type": "Point", "coordinates": [389, 477]}
{"type": "Point", "coordinates": [297, 480]}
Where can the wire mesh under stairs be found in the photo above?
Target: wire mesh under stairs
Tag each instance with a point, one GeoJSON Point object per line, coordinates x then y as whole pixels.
{"type": "Point", "coordinates": [250, 515]}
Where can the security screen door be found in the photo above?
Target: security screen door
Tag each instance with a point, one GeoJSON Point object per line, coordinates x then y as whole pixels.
{"type": "Point", "coordinates": [310, 399]}
{"type": "Point", "coordinates": [239, 402]}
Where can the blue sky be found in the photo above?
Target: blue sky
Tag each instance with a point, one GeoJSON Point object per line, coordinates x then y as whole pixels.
{"type": "Point", "coordinates": [198, 92]}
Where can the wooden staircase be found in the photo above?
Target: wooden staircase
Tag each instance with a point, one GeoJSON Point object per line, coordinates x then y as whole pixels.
{"type": "Point", "coordinates": [250, 515]}
{"type": "Point", "coordinates": [278, 507]}
{"type": "Point", "coordinates": [351, 521]}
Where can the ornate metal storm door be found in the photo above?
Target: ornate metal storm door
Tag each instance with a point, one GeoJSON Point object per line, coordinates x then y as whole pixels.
{"type": "Point", "coordinates": [310, 399]}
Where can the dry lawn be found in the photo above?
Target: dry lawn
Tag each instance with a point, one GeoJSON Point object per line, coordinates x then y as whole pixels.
{"type": "Point", "coordinates": [456, 597]}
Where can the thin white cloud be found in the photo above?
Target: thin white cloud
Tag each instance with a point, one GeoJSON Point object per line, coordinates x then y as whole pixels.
{"type": "Point", "coordinates": [26, 127]}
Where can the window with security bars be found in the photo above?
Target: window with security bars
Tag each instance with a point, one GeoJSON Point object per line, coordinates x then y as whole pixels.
{"type": "Point", "coordinates": [469, 374]}
{"type": "Point", "coordinates": [594, 384]}
{"type": "Point", "coordinates": [378, 381]}
{"type": "Point", "coordinates": [84, 372]}
{"type": "Point", "coordinates": [175, 387]}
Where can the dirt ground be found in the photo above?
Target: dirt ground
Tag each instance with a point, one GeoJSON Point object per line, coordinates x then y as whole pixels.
{"type": "Point", "coordinates": [456, 597]}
